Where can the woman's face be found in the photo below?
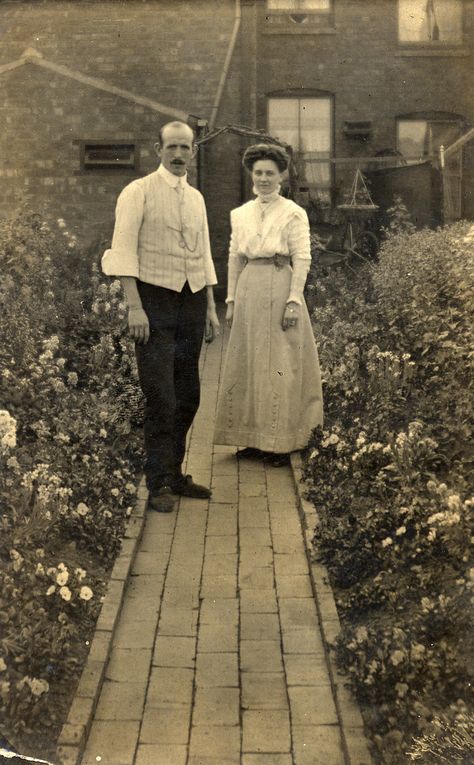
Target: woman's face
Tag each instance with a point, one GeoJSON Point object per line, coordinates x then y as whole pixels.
{"type": "Point", "coordinates": [266, 176]}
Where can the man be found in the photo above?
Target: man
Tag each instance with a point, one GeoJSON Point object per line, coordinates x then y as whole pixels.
{"type": "Point", "coordinates": [161, 252]}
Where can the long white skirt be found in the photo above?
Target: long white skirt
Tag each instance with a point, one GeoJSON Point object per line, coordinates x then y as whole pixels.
{"type": "Point", "coordinates": [270, 394]}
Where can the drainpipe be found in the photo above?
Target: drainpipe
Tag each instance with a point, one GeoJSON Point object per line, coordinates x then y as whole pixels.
{"type": "Point", "coordinates": [228, 59]}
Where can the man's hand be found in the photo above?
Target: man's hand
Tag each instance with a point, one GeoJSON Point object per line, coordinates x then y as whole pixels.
{"type": "Point", "coordinates": [229, 314]}
{"type": "Point", "coordinates": [138, 325]}
{"type": "Point", "coordinates": [212, 323]}
{"type": "Point", "coordinates": [290, 316]}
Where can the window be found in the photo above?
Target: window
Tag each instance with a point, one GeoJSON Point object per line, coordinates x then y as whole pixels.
{"type": "Point", "coordinates": [298, 13]}
{"type": "Point", "coordinates": [299, 5]}
{"type": "Point", "coordinates": [430, 21]}
{"type": "Point", "coordinates": [418, 138]}
{"type": "Point", "coordinates": [306, 125]}
{"type": "Point", "coordinates": [107, 156]}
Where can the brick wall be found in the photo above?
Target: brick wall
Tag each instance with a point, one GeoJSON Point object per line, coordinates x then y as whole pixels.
{"type": "Point", "coordinates": [170, 51]}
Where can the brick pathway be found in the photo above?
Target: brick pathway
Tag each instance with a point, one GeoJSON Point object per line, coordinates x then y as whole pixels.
{"type": "Point", "coordinates": [218, 657]}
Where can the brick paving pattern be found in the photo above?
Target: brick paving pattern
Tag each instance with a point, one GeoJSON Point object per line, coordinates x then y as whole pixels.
{"type": "Point", "coordinates": [218, 657]}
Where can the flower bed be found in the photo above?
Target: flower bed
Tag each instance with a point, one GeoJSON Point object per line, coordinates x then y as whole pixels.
{"type": "Point", "coordinates": [68, 465]}
{"type": "Point", "coordinates": [391, 475]}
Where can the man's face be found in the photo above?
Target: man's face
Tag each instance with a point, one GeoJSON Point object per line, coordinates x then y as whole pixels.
{"type": "Point", "coordinates": [177, 149]}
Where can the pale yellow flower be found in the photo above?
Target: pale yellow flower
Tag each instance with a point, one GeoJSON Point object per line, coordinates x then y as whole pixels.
{"type": "Point", "coordinates": [85, 593]}
{"type": "Point", "coordinates": [65, 593]}
{"type": "Point", "coordinates": [62, 578]}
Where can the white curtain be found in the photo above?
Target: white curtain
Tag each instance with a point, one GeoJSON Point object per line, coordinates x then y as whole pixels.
{"type": "Point", "coordinates": [430, 20]}
{"type": "Point", "coordinates": [298, 5]}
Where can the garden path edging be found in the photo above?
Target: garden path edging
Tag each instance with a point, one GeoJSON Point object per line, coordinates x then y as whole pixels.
{"type": "Point", "coordinates": [74, 733]}
{"type": "Point", "coordinates": [356, 750]}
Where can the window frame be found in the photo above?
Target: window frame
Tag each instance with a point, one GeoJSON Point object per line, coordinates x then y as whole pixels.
{"type": "Point", "coordinates": [302, 96]}
{"type": "Point", "coordinates": [430, 44]}
{"type": "Point", "coordinates": [283, 20]}
{"type": "Point", "coordinates": [125, 167]}
{"type": "Point", "coordinates": [428, 118]}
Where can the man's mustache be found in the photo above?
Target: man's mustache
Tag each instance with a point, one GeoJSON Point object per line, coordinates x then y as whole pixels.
{"type": "Point", "coordinates": [177, 162]}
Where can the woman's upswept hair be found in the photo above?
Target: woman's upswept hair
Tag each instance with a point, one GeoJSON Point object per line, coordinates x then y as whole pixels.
{"type": "Point", "coordinates": [265, 151]}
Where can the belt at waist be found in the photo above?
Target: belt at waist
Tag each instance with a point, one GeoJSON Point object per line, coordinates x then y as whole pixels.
{"type": "Point", "coordinates": [276, 260]}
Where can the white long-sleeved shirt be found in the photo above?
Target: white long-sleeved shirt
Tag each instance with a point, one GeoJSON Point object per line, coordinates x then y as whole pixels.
{"type": "Point", "coordinates": [161, 234]}
{"type": "Point", "coordinates": [283, 229]}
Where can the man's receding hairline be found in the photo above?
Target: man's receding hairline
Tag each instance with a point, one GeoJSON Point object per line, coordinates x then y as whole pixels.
{"type": "Point", "coordinates": [175, 124]}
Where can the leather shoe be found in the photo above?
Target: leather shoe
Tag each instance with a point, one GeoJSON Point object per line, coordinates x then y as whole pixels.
{"type": "Point", "coordinates": [161, 500]}
{"type": "Point", "coordinates": [250, 453]}
{"type": "Point", "coordinates": [186, 487]}
{"type": "Point", "coordinates": [277, 460]}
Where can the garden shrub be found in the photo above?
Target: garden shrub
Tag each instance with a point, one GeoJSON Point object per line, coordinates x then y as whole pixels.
{"type": "Point", "coordinates": [391, 476]}
{"type": "Point", "coordinates": [69, 457]}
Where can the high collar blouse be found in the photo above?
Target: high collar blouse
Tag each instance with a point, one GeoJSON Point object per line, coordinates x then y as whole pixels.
{"type": "Point", "coordinates": [262, 229]}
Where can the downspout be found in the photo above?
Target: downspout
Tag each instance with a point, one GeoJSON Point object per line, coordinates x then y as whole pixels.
{"type": "Point", "coordinates": [227, 62]}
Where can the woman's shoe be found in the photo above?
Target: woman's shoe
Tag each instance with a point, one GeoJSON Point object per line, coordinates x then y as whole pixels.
{"type": "Point", "coordinates": [249, 453]}
{"type": "Point", "coordinates": [277, 460]}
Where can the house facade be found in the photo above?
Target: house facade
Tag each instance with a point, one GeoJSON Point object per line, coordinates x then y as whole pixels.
{"type": "Point", "coordinates": [87, 84]}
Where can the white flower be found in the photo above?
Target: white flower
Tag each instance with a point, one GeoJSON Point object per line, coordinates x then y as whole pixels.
{"type": "Point", "coordinates": [401, 530]}
{"type": "Point", "coordinates": [417, 651]}
{"type": "Point", "coordinates": [80, 574]}
{"type": "Point", "coordinates": [397, 657]}
{"type": "Point", "coordinates": [332, 440]}
{"type": "Point", "coordinates": [72, 379]}
{"type": "Point", "coordinates": [82, 508]}
{"type": "Point", "coordinates": [387, 542]}
{"type": "Point", "coordinates": [115, 492]}
{"type": "Point", "coordinates": [103, 433]}
{"type": "Point", "coordinates": [130, 487]}
{"type": "Point", "coordinates": [454, 501]}
{"type": "Point", "coordinates": [65, 593]}
{"type": "Point", "coordinates": [62, 578]}
{"type": "Point", "coordinates": [38, 687]}
{"type": "Point", "coordinates": [50, 590]}
{"type": "Point", "coordinates": [85, 593]}
{"type": "Point", "coordinates": [39, 569]}
{"type": "Point", "coordinates": [426, 604]}
{"type": "Point", "coordinates": [3, 666]}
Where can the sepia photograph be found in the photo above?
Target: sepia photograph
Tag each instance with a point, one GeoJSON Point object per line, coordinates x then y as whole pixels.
{"type": "Point", "coordinates": [236, 382]}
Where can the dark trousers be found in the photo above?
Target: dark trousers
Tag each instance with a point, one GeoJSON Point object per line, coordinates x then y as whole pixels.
{"type": "Point", "coordinates": [168, 368]}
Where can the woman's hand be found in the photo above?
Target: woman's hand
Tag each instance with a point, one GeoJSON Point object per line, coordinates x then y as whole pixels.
{"type": "Point", "coordinates": [290, 316]}
{"type": "Point", "coordinates": [229, 314]}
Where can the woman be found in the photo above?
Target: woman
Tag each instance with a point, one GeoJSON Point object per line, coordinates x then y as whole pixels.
{"type": "Point", "coordinates": [270, 396]}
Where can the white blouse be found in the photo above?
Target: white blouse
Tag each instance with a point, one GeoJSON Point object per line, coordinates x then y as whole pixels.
{"type": "Point", "coordinates": [261, 230]}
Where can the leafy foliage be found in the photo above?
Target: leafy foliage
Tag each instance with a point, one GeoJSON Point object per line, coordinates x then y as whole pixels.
{"type": "Point", "coordinates": [391, 476]}
{"type": "Point", "coordinates": [68, 461]}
